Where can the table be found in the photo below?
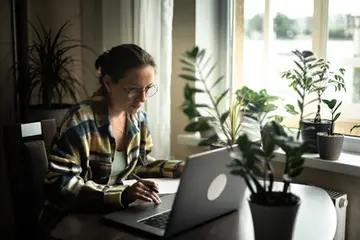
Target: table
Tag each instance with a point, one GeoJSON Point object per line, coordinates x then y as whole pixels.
{"type": "Point", "coordinates": [316, 220]}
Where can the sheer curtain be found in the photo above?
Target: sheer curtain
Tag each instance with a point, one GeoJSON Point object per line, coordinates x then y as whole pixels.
{"type": "Point", "coordinates": [147, 23]}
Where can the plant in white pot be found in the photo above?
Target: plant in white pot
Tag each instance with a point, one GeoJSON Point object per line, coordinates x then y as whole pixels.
{"type": "Point", "coordinates": [329, 143]}
{"type": "Point", "coordinates": [274, 211]}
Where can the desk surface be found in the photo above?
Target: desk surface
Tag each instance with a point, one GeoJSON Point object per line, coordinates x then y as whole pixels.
{"type": "Point", "coordinates": [316, 220]}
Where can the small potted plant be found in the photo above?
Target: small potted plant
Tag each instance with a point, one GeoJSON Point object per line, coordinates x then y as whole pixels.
{"type": "Point", "coordinates": [330, 143]}
{"type": "Point", "coordinates": [273, 211]}
{"type": "Point", "coordinates": [312, 75]}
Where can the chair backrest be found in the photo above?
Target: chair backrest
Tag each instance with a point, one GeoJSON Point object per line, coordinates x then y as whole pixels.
{"type": "Point", "coordinates": [26, 147]}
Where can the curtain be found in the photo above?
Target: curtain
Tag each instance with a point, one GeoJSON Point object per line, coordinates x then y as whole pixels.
{"type": "Point", "coordinates": [147, 23]}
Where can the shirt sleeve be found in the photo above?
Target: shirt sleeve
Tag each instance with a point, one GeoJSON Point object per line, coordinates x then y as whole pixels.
{"type": "Point", "coordinates": [150, 167]}
{"type": "Point", "coordinates": [67, 180]}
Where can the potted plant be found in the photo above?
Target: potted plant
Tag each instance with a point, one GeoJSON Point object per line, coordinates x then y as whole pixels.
{"type": "Point", "coordinates": [273, 211]}
{"type": "Point", "coordinates": [312, 75]}
{"type": "Point", "coordinates": [51, 86]}
{"type": "Point", "coordinates": [330, 143]}
{"type": "Point", "coordinates": [225, 123]}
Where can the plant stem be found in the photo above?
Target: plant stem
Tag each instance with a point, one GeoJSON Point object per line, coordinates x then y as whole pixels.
{"type": "Point", "coordinates": [214, 104]}
{"type": "Point", "coordinates": [286, 170]}
{"type": "Point", "coordinates": [271, 176]}
{"type": "Point", "coordinates": [249, 185]}
{"type": "Point", "coordinates": [318, 116]}
{"type": "Point", "coordinates": [302, 100]}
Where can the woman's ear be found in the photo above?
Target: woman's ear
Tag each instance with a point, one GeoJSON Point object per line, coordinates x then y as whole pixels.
{"type": "Point", "coordinates": [107, 82]}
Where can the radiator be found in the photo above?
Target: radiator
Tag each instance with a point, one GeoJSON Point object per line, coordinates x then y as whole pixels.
{"type": "Point", "coordinates": [340, 202]}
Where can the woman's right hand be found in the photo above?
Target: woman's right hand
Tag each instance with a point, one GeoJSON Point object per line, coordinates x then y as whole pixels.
{"type": "Point", "coordinates": [141, 190]}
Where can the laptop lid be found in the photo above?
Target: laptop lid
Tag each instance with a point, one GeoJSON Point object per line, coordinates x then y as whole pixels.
{"type": "Point", "coordinates": [206, 191]}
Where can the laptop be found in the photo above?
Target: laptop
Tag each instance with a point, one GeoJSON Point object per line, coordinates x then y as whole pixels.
{"type": "Point", "coordinates": [206, 191]}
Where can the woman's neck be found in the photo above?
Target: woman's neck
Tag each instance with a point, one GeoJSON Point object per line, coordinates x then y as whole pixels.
{"type": "Point", "coordinates": [116, 112]}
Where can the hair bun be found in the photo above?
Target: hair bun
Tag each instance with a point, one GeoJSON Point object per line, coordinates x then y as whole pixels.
{"type": "Point", "coordinates": [101, 60]}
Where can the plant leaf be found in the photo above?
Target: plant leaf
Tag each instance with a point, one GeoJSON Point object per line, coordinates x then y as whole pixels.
{"type": "Point", "coordinates": [188, 77]}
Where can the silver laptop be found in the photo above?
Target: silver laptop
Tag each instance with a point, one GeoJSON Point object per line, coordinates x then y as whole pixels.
{"type": "Point", "coordinates": [206, 191]}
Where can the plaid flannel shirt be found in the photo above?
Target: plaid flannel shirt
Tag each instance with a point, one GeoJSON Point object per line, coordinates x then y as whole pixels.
{"type": "Point", "coordinates": [82, 153]}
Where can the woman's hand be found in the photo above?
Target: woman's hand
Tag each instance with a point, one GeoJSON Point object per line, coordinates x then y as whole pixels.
{"type": "Point", "coordinates": [141, 190]}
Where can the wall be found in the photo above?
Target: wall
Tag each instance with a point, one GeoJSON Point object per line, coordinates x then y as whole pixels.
{"type": "Point", "coordinates": [184, 38]}
{"type": "Point", "coordinates": [6, 110]}
{"type": "Point", "coordinates": [86, 26]}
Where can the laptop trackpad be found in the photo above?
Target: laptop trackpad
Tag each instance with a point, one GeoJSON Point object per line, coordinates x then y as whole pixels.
{"type": "Point", "coordinates": [141, 209]}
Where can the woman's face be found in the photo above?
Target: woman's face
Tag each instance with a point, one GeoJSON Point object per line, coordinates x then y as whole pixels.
{"type": "Point", "coordinates": [131, 92]}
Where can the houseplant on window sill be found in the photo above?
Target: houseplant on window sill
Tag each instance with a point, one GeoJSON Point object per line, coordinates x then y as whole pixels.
{"type": "Point", "coordinates": [51, 86]}
{"type": "Point", "coordinates": [329, 143]}
{"type": "Point", "coordinates": [196, 68]}
{"type": "Point", "coordinates": [312, 75]}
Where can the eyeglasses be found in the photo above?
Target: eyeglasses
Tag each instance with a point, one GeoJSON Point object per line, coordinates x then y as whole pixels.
{"type": "Point", "coordinates": [134, 92]}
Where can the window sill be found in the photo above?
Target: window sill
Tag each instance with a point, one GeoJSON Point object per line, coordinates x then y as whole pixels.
{"type": "Point", "coordinates": [348, 162]}
{"type": "Point", "coordinates": [192, 140]}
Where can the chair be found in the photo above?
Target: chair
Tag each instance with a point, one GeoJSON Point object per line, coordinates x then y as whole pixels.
{"type": "Point", "coordinates": [26, 147]}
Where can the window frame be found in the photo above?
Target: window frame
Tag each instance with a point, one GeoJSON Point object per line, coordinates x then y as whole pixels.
{"type": "Point", "coordinates": [319, 48]}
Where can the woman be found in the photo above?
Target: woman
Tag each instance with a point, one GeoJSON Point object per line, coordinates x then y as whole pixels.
{"type": "Point", "coordinates": [106, 139]}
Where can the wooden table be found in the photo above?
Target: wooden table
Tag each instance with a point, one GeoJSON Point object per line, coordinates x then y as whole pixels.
{"type": "Point", "coordinates": [316, 220]}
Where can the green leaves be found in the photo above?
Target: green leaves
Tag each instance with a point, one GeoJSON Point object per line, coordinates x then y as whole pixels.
{"type": "Point", "coordinates": [198, 126]}
{"type": "Point", "coordinates": [355, 127]}
{"type": "Point", "coordinates": [258, 105]}
{"type": "Point", "coordinates": [253, 161]}
{"type": "Point", "coordinates": [197, 71]}
{"type": "Point", "coordinates": [188, 77]}
{"type": "Point", "coordinates": [50, 66]}
{"type": "Point", "coordinates": [291, 109]}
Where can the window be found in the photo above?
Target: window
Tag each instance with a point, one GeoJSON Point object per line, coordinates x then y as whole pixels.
{"type": "Point", "coordinates": [329, 28]}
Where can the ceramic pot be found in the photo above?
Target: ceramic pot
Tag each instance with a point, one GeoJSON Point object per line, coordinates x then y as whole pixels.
{"type": "Point", "coordinates": [330, 146]}
{"type": "Point", "coordinates": [273, 222]}
{"type": "Point", "coordinates": [310, 130]}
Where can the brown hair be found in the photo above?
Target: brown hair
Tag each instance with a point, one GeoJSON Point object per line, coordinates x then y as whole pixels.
{"type": "Point", "coordinates": [120, 59]}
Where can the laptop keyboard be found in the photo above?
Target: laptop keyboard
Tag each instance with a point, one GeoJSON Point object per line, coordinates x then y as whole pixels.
{"type": "Point", "coordinates": [158, 221]}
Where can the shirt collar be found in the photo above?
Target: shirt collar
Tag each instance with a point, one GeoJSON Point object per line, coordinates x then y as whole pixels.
{"type": "Point", "coordinates": [100, 108]}
{"type": "Point", "coordinates": [101, 111]}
